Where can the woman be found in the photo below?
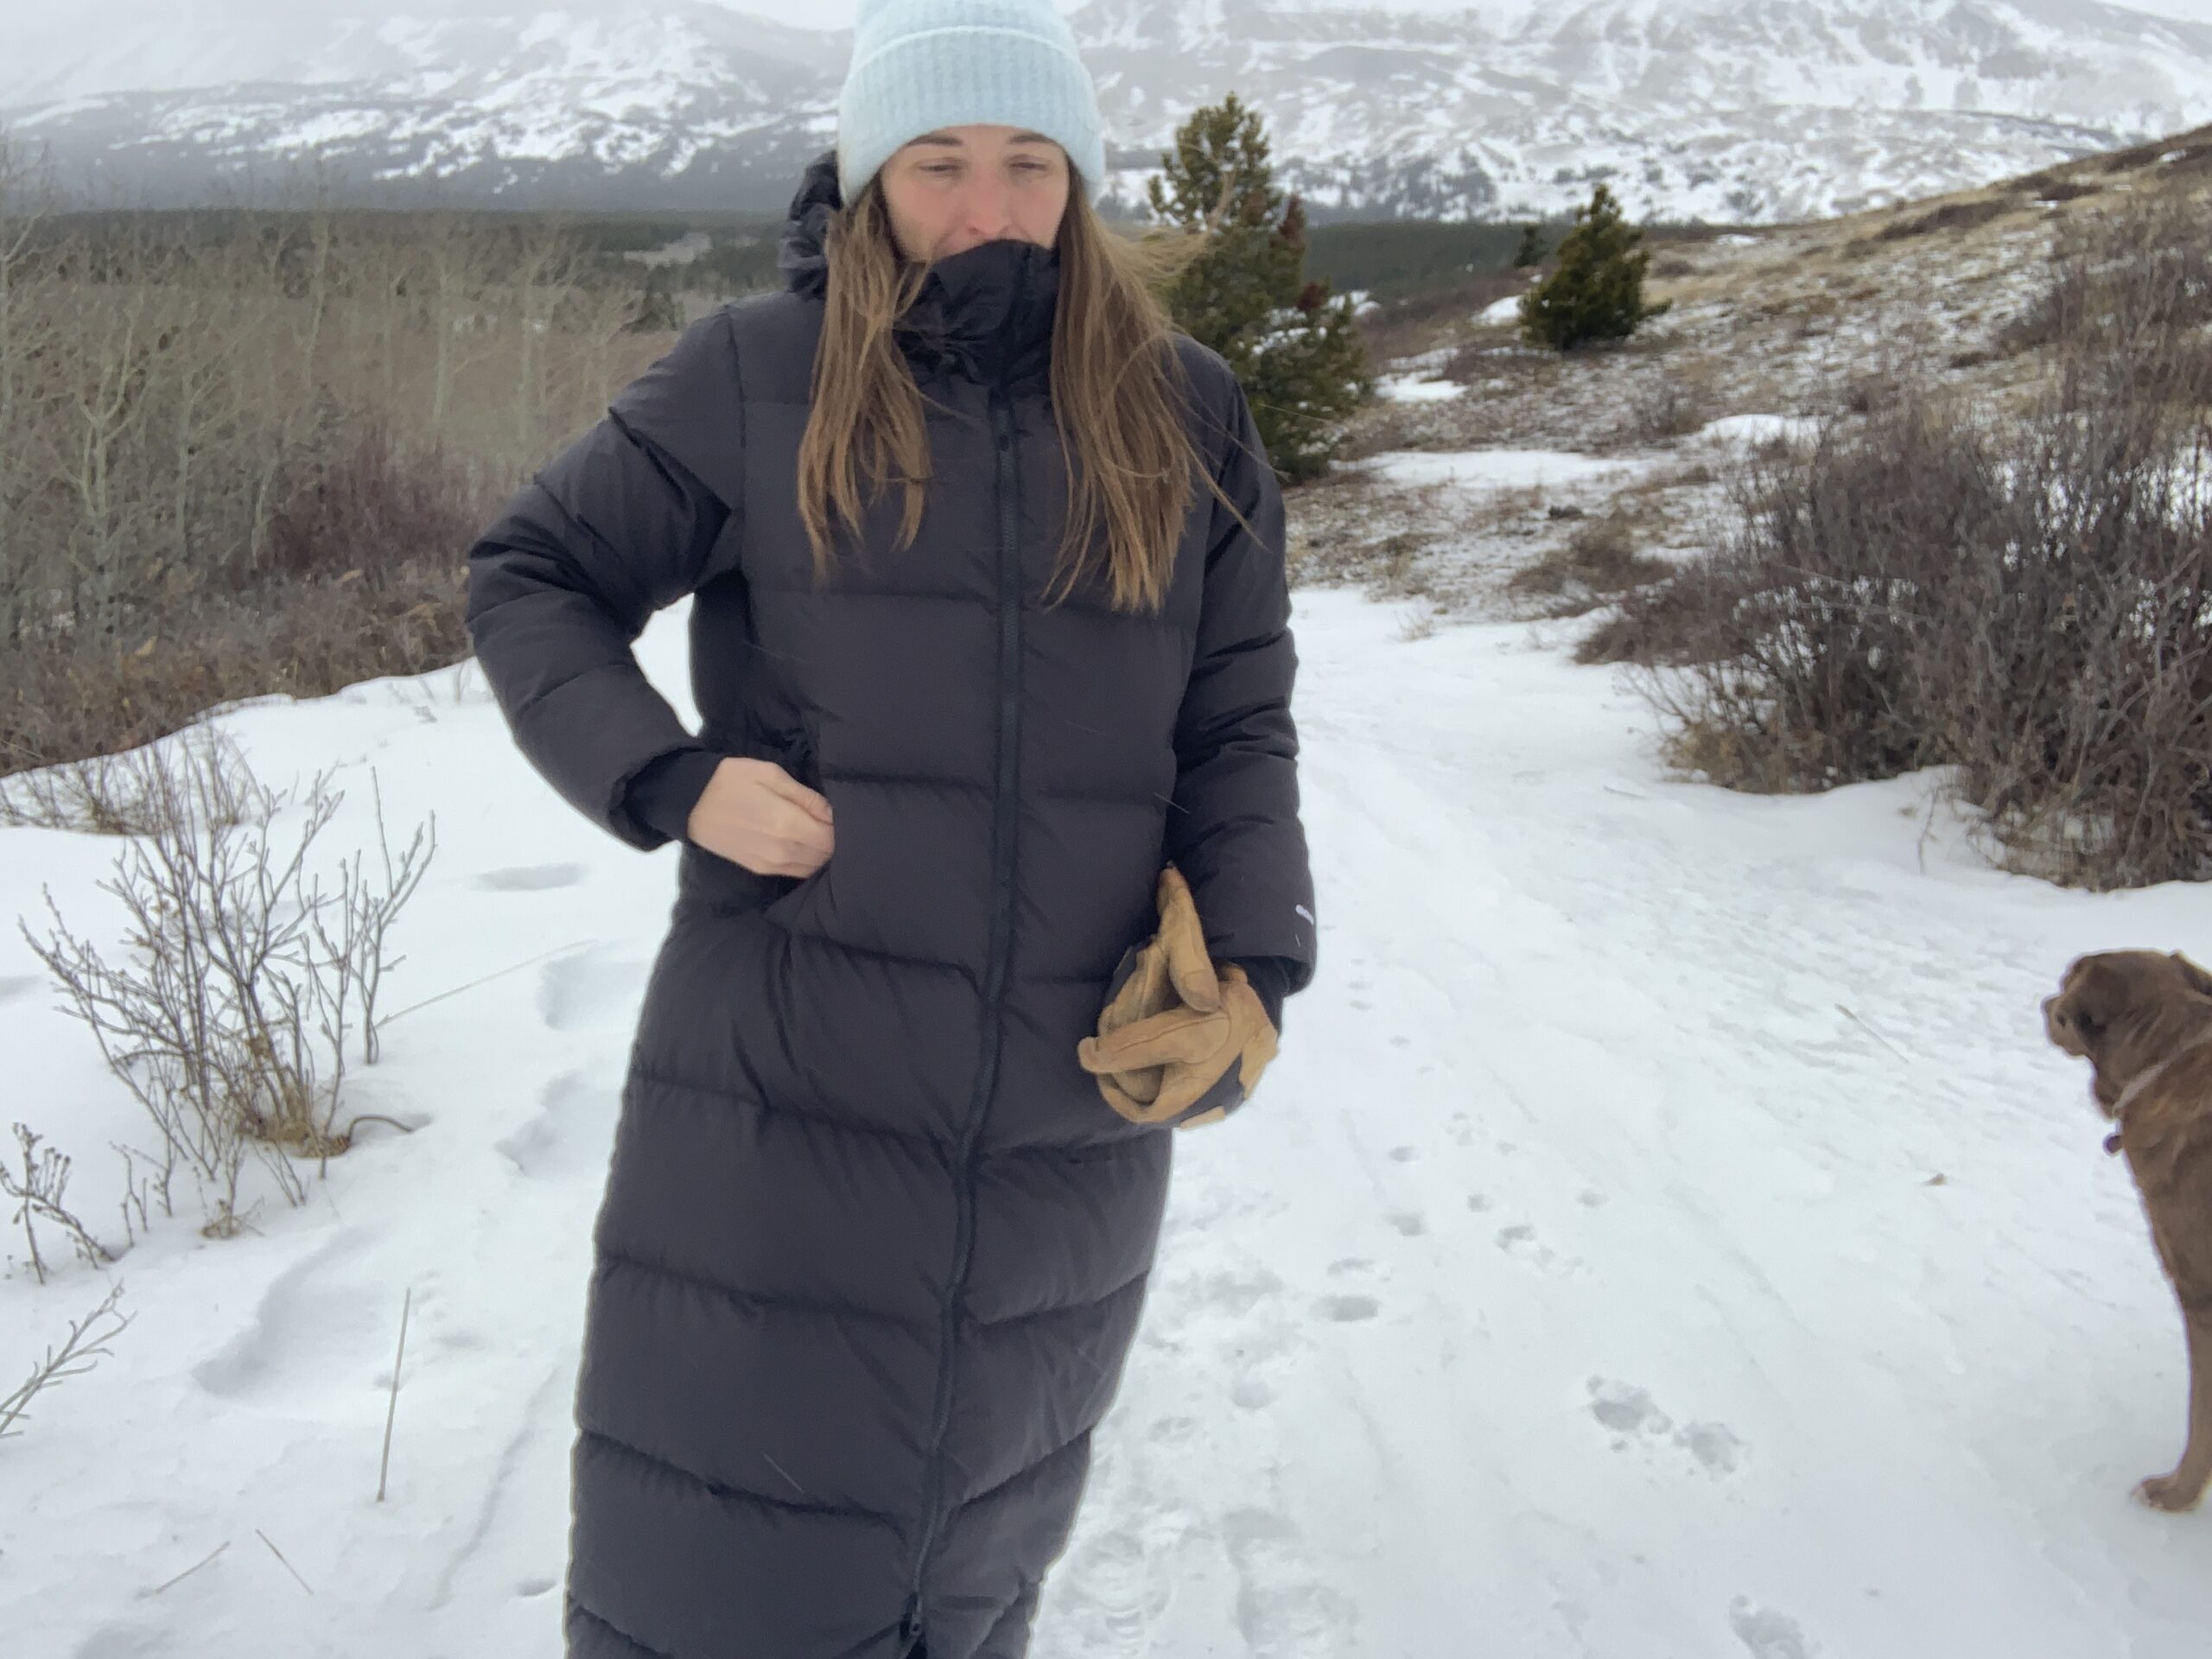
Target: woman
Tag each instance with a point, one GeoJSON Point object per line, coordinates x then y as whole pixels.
{"type": "Point", "coordinates": [989, 627]}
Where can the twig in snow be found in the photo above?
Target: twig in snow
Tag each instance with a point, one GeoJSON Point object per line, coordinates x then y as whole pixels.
{"type": "Point", "coordinates": [279, 1554]}
{"type": "Point", "coordinates": [393, 1410]}
{"type": "Point", "coordinates": [1875, 1034]}
{"type": "Point", "coordinates": [42, 1194]}
{"type": "Point", "coordinates": [78, 1352]}
{"type": "Point", "coordinates": [190, 1570]}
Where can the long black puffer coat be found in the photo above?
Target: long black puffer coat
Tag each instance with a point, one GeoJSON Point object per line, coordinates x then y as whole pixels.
{"type": "Point", "coordinates": [873, 1247]}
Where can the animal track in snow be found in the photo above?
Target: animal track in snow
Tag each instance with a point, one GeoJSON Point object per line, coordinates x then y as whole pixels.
{"type": "Point", "coordinates": [1408, 1223]}
{"type": "Point", "coordinates": [1633, 1416]}
{"type": "Point", "coordinates": [1769, 1635]}
{"type": "Point", "coordinates": [1349, 1310]}
{"type": "Point", "coordinates": [1520, 1241]}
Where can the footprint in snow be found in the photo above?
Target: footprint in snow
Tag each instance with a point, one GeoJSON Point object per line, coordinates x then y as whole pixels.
{"type": "Point", "coordinates": [1349, 1310]}
{"type": "Point", "coordinates": [588, 988]}
{"type": "Point", "coordinates": [569, 1132]}
{"type": "Point", "coordinates": [1251, 1394]}
{"type": "Point", "coordinates": [1769, 1635]}
{"type": "Point", "coordinates": [1626, 1409]}
{"type": "Point", "coordinates": [530, 877]}
{"type": "Point", "coordinates": [1408, 1223]}
{"type": "Point", "coordinates": [1284, 1609]}
{"type": "Point", "coordinates": [1232, 1293]}
{"type": "Point", "coordinates": [1520, 1241]}
{"type": "Point", "coordinates": [1404, 1155]}
{"type": "Point", "coordinates": [1633, 1414]}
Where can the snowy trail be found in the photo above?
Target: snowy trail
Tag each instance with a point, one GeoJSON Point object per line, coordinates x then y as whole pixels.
{"type": "Point", "coordinates": [1582, 1290]}
{"type": "Point", "coordinates": [1575, 1288]}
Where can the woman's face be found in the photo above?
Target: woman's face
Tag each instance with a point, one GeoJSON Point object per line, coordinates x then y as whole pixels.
{"type": "Point", "coordinates": [958, 187]}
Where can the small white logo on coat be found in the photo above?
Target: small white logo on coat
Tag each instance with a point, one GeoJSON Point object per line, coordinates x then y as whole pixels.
{"type": "Point", "coordinates": [1306, 913]}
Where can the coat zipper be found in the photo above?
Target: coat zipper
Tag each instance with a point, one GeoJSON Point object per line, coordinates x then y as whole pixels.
{"type": "Point", "coordinates": [1004, 813]}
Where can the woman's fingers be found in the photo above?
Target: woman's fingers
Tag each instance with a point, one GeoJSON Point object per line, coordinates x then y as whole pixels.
{"type": "Point", "coordinates": [815, 804]}
{"type": "Point", "coordinates": [757, 815]}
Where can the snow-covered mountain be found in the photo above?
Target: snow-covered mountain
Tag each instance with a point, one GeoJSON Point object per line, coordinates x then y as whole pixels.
{"type": "Point", "coordinates": [1751, 110]}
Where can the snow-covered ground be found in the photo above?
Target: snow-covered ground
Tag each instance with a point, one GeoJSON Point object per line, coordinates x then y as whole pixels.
{"type": "Point", "coordinates": [1665, 1236]}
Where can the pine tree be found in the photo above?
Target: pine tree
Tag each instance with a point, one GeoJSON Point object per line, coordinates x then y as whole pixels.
{"type": "Point", "coordinates": [1596, 292]}
{"type": "Point", "coordinates": [1292, 346]}
{"type": "Point", "coordinates": [1531, 251]}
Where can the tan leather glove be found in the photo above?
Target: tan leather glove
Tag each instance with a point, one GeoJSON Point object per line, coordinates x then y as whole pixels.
{"type": "Point", "coordinates": [1178, 1043]}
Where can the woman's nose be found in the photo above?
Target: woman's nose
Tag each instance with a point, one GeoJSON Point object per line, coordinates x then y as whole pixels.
{"type": "Point", "coordinates": [990, 210]}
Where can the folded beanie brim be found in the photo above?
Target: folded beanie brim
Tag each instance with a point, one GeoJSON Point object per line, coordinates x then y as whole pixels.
{"type": "Point", "coordinates": [958, 73]}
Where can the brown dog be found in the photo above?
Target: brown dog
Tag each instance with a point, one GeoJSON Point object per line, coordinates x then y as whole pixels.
{"type": "Point", "coordinates": [2144, 1020]}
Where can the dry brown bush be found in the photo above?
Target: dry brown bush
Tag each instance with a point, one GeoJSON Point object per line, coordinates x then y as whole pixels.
{"type": "Point", "coordinates": [1951, 216]}
{"type": "Point", "coordinates": [2118, 281]}
{"type": "Point", "coordinates": [1404, 328]}
{"type": "Point", "coordinates": [2023, 595]}
{"type": "Point", "coordinates": [1598, 560]}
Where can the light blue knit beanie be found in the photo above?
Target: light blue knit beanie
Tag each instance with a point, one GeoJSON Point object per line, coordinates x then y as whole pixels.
{"type": "Point", "coordinates": [920, 65]}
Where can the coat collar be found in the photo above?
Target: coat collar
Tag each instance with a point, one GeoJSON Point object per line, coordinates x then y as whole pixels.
{"type": "Point", "coordinates": [985, 315]}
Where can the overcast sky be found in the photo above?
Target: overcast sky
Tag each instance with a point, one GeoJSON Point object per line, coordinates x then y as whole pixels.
{"type": "Point", "coordinates": [826, 14]}
{"type": "Point", "coordinates": [834, 13]}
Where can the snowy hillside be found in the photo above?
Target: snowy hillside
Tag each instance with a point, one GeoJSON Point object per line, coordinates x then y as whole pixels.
{"type": "Point", "coordinates": [1665, 1236]}
{"type": "Point", "coordinates": [1717, 109]}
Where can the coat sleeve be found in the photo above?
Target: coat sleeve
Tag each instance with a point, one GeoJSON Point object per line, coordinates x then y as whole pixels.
{"type": "Point", "coordinates": [564, 579]}
{"type": "Point", "coordinates": [1235, 830]}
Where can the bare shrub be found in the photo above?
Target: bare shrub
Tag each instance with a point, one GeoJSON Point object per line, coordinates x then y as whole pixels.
{"type": "Point", "coordinates": [84, 1346]}
{"type": "Point", "coordinates": [1600, 559]}
{"type": "Point", "coordinates": [202, 414]}
{"type": "Point", "coordinates": [1951, 216]}
{"type": "Point", "coordinates": [1661, 407]}
{"type": "Point", "coordinates": [1411, 325]}
{"type": "Point", "coordinates": [2118, 281]}
{"type": "Point", "coordinates": [230, 1022]}
{"type": "Point", "coordinates": [41, 1193]}
{"type": "Point", "coordinates": [2024, 598]}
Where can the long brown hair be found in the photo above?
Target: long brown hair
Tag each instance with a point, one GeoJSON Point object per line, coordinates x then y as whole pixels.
{"type": "Point", "coordinates": [1117, 392]}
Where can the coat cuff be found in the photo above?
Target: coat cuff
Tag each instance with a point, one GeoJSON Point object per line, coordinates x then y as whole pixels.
{"type": "Point", "coordinates": [1270, 981]}
{"type": "Point", "coordinates": [665, 790]}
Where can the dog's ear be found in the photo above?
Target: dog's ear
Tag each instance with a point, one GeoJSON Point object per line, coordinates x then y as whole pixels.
{"type": "Point", "coordinates": [2199, 981]}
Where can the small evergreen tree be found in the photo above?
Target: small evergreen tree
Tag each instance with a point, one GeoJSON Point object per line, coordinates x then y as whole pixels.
{"type": "Point", "coordinates": [1596, 292]}
{"type": "Point", "coordinates": [1531, 251]}
{"type": "Point", "coordinates": [1292, 346]}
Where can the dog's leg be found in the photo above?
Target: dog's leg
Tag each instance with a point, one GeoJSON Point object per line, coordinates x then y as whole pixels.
{"type": "Point", "coordinates": [2183, 1488]}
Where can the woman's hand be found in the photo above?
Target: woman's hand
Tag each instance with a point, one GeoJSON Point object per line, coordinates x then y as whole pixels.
{"type": "Point", "coordinates": [759, 818]}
